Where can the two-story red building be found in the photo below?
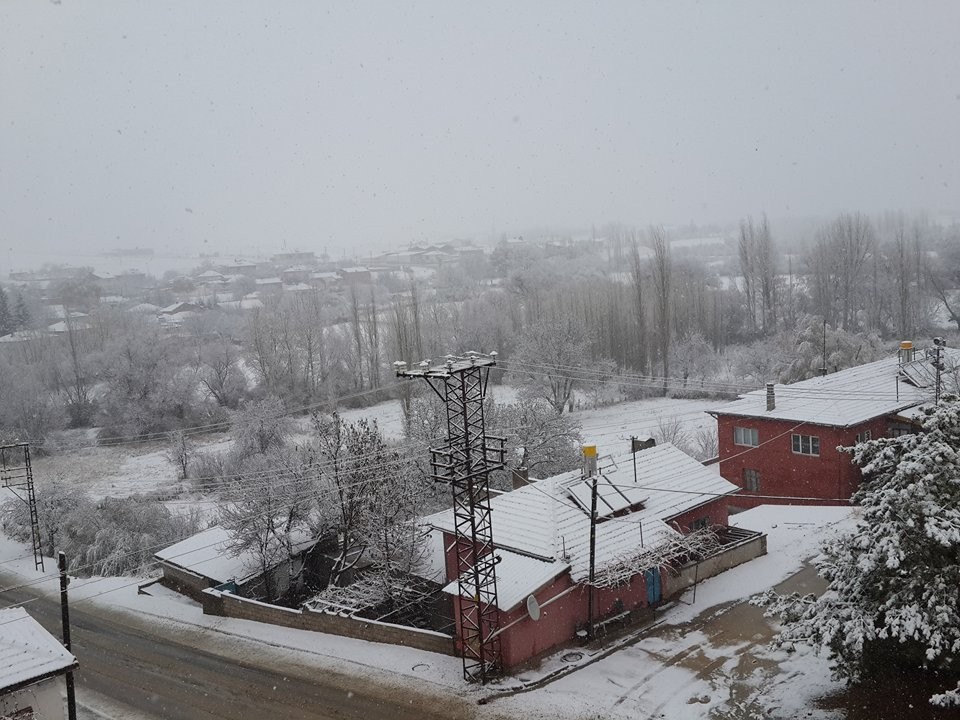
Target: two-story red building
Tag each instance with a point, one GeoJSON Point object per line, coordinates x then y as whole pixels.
{"type": "Point", "coordinates": [780, 445]}
{"type": "Point", "coordinates": [541, 536]}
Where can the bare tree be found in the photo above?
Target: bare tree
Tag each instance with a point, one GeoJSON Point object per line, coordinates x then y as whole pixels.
{"type": "Point", "coordinates": [180, 453]}
{"type": "Point", "coordinates": [662, 281]}
{"type": "Point", "coordinates": [549, 361]}
{"type": "Point", "coordinates": [637, 277]}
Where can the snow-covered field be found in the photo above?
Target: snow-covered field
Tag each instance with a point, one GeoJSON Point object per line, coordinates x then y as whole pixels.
{"type": "Point", "coordinates": [711, 656]}
{"type": "Point", "coordinates": [130, 469]}
{"type": "Point", "coordinates": [610, 428]}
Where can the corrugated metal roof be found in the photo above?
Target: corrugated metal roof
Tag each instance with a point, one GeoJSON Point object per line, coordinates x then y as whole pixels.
{"type": "Point", "coordinates": [847, 397]}
{"type": "Point", "coordinates": [542, 520]}
{"type": "Point", "coordinates": [27, 651]}
{"type": "Point", "coordinates": [517, 577]}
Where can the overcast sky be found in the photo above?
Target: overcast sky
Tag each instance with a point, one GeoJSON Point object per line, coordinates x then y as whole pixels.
{"type": "Point", "coordinates": [208, 125]}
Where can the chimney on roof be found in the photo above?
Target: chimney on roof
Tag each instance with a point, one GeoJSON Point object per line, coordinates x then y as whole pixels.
{"type": "Point", "coordinates": [521, 477]}
{"type": "Point", "coordinates": [771, 398]}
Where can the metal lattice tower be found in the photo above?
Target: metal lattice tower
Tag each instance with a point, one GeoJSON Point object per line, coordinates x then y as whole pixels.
{"type": "Point", "coordinates": [17, 475]}
{"type": "Point", "coordinates": [464, 463]}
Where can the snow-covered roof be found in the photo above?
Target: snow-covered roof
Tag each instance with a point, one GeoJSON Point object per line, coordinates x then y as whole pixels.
{"type": "Point", "coordinates": [543, 519]}
{"type": "Point", "coordinates": [177, 307]}
{"type": "Point", "coordinates": [355, 269]}
{"type": "Point", "coordinates": [210, 553]}
{"type": "Point", "coordinates": [269, 281]}
{"type": "Point", "coordinates": [210, 275]}
{"type": "Point", "coordinates": [247, 303]}
{"type": "Point", "coordinates": [27, 651]}
{"type": "Point", "coordinates": [297, 268]}
{"type": "Point", "coordinates": [517, 577]}
{"type": "Point", "coordinates": [20, 336]}
{"type": "Point", "coordinates": [144, 308]}
{"type": "Point", "coordinates": [62, 326]}
{"type": "Point", "coordinates": [847, 397]}
{"type": "Point", "coordinates": [297, 287]}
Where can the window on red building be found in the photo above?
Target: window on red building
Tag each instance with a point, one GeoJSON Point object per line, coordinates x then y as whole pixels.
{"type": "Point", "coordinates": [806, 444]}
{"type": "Point", "coordinates": [864, 436]}
{"type": "Point", "coordinates": [746, 436]}
{"type": "Point", "coordinates": [751, 480]}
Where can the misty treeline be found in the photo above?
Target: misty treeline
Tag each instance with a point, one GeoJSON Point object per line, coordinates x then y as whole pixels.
{"type": "Point", "coordinates": [574, 324]}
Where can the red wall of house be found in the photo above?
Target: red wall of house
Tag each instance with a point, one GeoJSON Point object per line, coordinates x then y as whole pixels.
{"type": "Point", "coordinates": [830, 478]}
{"type": "Point", "coordinates": [559, 619]}
{"type": "Point", "coordinates": [715, 511]}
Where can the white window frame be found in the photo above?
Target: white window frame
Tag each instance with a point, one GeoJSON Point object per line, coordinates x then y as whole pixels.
{"type": "Point", "coordinates": [808, 445]}
{"type": "Point", "coordinates": [864, 436]}
{"type": "Point", "coordinates": [751, 481]}
{"type": "Point", "coordinates": [747, 437]}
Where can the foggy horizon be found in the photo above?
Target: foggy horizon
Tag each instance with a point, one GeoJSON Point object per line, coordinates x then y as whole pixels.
{"type": "Point", "coordinates": [241, 128]}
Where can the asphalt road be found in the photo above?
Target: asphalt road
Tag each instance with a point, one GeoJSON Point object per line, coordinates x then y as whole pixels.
{"type": "Point", "coordinates": [185, 675]}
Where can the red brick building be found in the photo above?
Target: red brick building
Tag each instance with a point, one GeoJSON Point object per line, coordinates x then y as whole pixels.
{"type": "Point", "coordinates": [541, 534]}
{"type": "Point", "coordinates": [782, 443]}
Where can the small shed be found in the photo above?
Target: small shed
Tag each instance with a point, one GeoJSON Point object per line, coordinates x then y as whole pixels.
{"type": "Point", "coordinates": [209, 559]}
{"type": "Point", "coordinates": [31, 663]}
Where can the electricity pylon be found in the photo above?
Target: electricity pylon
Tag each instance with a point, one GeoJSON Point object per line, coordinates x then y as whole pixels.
{"type": "Point", "coordinates": [465, 462]}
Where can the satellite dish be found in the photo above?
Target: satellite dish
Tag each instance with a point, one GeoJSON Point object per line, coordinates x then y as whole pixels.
{"type": "Point", "coordinates": [533, 607]}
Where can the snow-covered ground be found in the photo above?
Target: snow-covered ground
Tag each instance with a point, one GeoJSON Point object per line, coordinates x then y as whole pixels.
{"type": "Point", "coordinates": [610, 428]}
{"type": "Point", "coordinates": [709, 656]}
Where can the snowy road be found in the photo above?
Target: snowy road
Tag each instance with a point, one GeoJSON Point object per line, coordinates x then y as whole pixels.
{"type": "Point", "coordinates": [185, 674]}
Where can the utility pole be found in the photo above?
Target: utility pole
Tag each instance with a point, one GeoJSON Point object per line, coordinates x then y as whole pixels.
{"type": "Point", "coordinates": [938, 345]}
{"type": "Point", "coordinates": [65, 616]}
{"type": "Point", "coordinates": [590, 470]}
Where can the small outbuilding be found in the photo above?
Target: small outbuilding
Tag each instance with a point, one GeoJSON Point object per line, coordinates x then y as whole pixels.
{"type": "Point", "coordinates": [32, 662]}
{"type": "Point", "coordinates": [210, 559]}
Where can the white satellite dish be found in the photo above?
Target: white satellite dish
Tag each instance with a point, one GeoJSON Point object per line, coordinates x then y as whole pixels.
{"type": "Point", "coordinates": [533, 607]}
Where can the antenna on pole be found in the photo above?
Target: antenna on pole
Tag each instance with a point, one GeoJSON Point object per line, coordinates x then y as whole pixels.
{"type": "Point", "coordinates": [464, 463]}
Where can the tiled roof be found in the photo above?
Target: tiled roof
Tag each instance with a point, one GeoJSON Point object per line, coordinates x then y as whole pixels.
{"type": "Point", "coordinates": [543, 520]}
{"type": "Point", "coordinates": [847, 397]}
{"type": "Point", "coordinates": [27, 651]}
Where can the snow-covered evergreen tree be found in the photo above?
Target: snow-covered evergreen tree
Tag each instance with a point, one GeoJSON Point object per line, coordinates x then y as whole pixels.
{"type": "Point", "coordinates": [894, 593]}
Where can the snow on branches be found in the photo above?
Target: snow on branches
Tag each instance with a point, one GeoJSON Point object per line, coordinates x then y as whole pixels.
{"type": "Point", "coordinates": [894, 579]}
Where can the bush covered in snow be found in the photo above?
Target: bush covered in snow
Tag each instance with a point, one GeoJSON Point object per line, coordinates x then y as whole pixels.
{"type": "Point", "coordinates": [112, 536]}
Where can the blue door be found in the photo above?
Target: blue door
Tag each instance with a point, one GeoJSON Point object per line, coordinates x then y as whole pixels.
{"type": "Point", "coordinates": [652, 579]}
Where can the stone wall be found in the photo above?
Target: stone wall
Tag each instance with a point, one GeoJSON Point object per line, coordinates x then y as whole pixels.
{"type": "Point", "coordinates": [728, 557]}
{"type": "Point", "coordinates": [226, 604]}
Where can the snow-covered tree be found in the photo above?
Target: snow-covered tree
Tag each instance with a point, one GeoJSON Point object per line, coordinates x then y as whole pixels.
{"type": "Point", "coordinates": [548, 356]}
{"type": "Point", "coordinates": [893, 597]}
{"type": "Point", "coordinates": [538, 437]}
{"type": "Point", "coordinates": [270, 502]}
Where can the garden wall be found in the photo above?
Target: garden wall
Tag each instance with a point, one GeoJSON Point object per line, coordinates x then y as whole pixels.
{"type": "Point", "coordinates": [225, 604]}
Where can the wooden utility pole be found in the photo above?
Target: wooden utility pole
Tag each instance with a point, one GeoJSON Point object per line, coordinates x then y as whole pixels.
{"type": "Point", "coordinates": [65, 616]}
